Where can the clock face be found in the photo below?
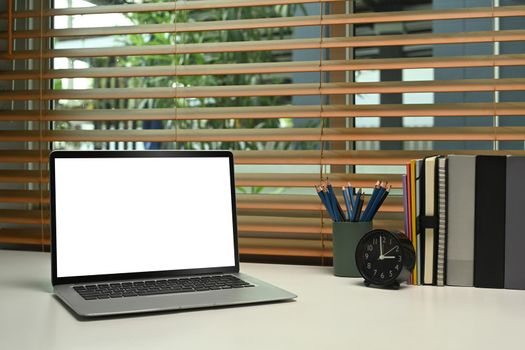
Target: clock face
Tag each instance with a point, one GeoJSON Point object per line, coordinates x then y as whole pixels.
{"type": "Point", "coordinates": [379, 257]}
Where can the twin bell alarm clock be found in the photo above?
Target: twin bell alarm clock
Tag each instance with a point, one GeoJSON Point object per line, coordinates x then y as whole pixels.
{"type": "Point", "coordinates": [385, 258]}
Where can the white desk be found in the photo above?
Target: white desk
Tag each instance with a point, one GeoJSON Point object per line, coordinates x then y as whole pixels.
{"type": "Point", "coordinates": [330, 313]}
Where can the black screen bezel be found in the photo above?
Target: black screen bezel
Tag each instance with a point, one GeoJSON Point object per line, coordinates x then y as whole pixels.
{"type": "Point", "coordinates": [137, 154]}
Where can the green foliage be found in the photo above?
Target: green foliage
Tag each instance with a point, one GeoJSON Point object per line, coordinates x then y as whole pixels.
{"type": "Point", "coordinates": [177, 60]}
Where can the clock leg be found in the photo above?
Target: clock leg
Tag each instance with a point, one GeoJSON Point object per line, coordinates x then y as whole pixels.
{"type": "Point", "coordinates": [367, 283]}
{"type": "Point", "coordinates": [395, 285]}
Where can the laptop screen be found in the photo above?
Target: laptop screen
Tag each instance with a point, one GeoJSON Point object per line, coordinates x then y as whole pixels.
{"type": "Point", "coordinates": [115, 215]}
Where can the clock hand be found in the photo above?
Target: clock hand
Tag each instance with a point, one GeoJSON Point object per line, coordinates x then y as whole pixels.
{"type": "Point", "coordinates": [380, 257]}
{"type": "Point", "coordinates": [389, 257]}
{"type": "Point", "coordinates": [389, 251]}
{"type": "Point", "coordinates": [380, 247]}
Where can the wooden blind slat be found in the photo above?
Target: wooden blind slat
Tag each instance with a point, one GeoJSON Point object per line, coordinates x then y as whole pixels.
{"type": "Point", "coordinates": [306, 180]}
{"type": "Point", "coordinates": [295, 225]}
{"type": "Point", "coordinates": [274, 45]}
{"type": "Point", "coordinates": [278, 22]}
{"type": "Point", "coordinates": [300, 202]}
{"type": "Point", "coordinates": [242, 179]}
{"type": "Point", "coordinates": [23, 196]}
{"type": "Point", "coordinates": [287, 111]}
{"type": "Point", "coordinates": [23, 176]}
{"type": "Point", "coordinates": [276, 134]}
{"type": "Point", "coordinates": [477, 85]}
{"type": "Point", "coordinates": [23, 156]}
{"type": "Point", "coordinates": [374, 17]}
{"type": "Point", "coordinates": [273, 67]}
{"type": "Point", "coordinates": [296, 157]}
{"type": "Point", "coordinates": [14, 216]}
{"type": "Point", "coordinates": [383, 157]}
{"type": "Point", "coordinates": [30, 235]}
{"type": "Point", "coordinates": [158, 7]}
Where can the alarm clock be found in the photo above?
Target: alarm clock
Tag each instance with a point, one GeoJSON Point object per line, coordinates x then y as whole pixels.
{"type": "Point", "coordinates": [385, 258]}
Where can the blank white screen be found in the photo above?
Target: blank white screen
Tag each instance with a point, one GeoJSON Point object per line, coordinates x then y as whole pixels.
{"type": "Point", "coordinates": [120, 215]}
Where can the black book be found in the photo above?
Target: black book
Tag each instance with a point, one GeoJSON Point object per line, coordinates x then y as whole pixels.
{"type": "Point", "coordinates": [489, 222]}
{"type": "Point", "coordinates": [514, 224]}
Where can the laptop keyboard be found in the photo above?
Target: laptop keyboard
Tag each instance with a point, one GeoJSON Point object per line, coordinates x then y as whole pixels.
{"type": "Point", "coordinates": [161, 286]}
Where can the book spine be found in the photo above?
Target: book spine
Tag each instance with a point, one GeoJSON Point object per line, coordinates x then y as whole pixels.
{"type": "Point", "coordinates": [489, 222]}
{"type": "Point", "coordinates": [460, 220]}
{"type": "Point", "coordinates": [442, 200]}
{"type": "Point", "coordinates": [430, 221]}
{"type": "Point", "coordinates": [514, 223]}
{"type": "Point", "coordinates": [417, 197]}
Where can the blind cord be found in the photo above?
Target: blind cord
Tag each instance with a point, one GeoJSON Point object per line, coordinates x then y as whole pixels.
{"type": "Point", "coordinates": [41, 124]}
{"type": "Point", "coordinates": [495, 71]}
{"type": "Point", "coordinates": [322, 169]}
{"type": "Point", "coordinates": [176, 112]}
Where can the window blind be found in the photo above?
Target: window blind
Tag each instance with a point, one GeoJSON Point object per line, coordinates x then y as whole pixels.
{"type": "Point", "coordinates": [277, 82]}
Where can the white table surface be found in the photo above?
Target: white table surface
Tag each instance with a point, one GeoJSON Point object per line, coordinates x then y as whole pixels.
{"type": "Point", "coordinates": [329, 313]}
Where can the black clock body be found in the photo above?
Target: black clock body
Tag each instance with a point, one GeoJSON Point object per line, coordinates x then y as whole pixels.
{"type": "Point", "coordinates": [385, 258]}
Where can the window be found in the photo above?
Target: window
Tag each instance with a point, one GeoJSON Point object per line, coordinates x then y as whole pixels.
{"type": "Point", "coordinates": [300, 90]}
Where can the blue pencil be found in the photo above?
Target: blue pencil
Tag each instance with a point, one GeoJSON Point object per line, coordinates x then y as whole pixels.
{"type": "Point", "coordinates": [322, 195]}
{"type": "Point", "coordinates": [383, 197]}
{"type": "Point", "coordinates": [373, 205]}
{"type": "Point", "coordinates": [338, 211]}
{"type": "Point", "coordinates": [348, 202]}
{"type": "Point", "coordinates": [351, 193]}
{"type": "Point", "coordinates": [371, 200]}
{"type": "Point", "coordinates": [357, 205]}
{"type": "Point", "coordinates": [330, 203]}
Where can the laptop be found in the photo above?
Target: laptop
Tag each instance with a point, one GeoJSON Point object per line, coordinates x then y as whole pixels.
{"type": "Point", "coordinates": [147, 231]}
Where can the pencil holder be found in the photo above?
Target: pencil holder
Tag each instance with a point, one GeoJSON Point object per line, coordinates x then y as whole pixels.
{"type": "Point", "coordinates": [345, 236]}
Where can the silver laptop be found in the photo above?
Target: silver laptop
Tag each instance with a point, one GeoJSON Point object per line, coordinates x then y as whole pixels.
{"type": "Point", "coordinates": [146, 231]}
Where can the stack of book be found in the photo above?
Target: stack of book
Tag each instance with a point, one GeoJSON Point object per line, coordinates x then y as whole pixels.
{"type": "Point", "coordinates": [464, 215]}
